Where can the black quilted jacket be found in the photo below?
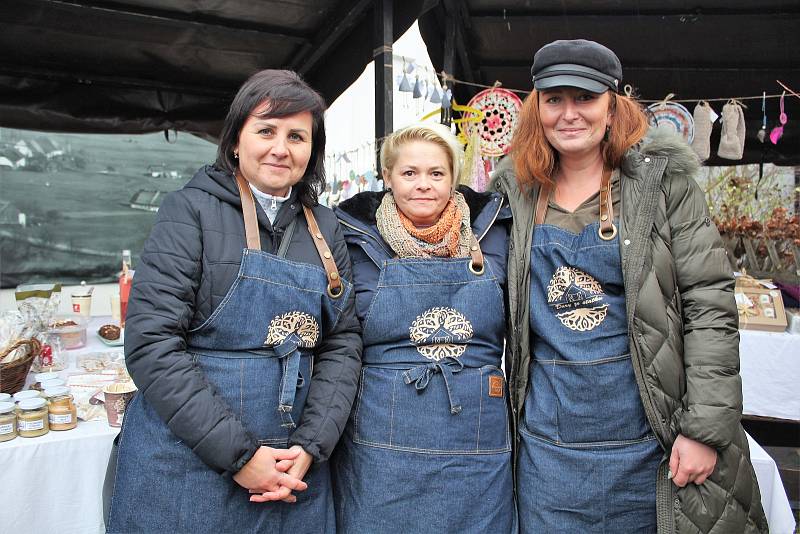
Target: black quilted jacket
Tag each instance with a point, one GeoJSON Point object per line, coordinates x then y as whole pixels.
{"type": "Point", "coordinates": [188, 264]}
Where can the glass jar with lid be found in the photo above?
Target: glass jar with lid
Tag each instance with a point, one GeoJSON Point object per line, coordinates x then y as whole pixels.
{"type": "Point", "coordinates": [26, 394]}
{"type": "Point", "coordinates": [32, 418]}
{"type": "Point", "coordinates": [62, 413]}
{"type": "Point", "coordinates": [49, 384]}
{"type": "Point", "coordinates": [8, 421]}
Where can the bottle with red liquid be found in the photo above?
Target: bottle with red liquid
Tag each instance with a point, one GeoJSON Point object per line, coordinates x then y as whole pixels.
{"type": "Point", "coordinates": [125, 282]}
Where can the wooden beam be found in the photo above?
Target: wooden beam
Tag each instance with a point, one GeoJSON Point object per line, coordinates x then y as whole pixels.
{"type": "Point", "coordinates": [384, 75]}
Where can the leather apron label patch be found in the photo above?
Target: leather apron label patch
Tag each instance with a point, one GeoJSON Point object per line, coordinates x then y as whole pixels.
{"type": "Point", "coordinates": [496, 386]}
{"type": "Point", "coordinates": [577, 299]}
{"type": "Point", "coordinates": [440, 333]}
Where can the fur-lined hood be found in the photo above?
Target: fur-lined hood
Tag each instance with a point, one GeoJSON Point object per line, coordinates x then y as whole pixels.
{"type": "Point", "coordinates": [664, 142]}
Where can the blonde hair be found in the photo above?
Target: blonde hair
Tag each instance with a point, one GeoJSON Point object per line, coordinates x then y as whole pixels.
{"type": "Point", "coordinates": [435, 133]}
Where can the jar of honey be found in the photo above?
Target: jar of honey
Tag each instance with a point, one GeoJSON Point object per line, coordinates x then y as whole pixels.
{"type": "Point", "coordinates": [32, 418]}
{"type": "Point", "coordinates": [62, 414]}
{"type": "Point", "coordinates": [8, 421]}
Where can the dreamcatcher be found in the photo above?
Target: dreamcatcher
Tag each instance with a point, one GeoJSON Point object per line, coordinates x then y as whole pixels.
{"type": "Point", "coordinates": [497, 114]}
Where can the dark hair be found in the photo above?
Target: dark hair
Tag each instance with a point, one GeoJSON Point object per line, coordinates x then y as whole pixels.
{"type": "Point", "coordinates": [286, 94]}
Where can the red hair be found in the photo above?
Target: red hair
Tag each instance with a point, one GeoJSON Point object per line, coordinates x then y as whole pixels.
{"type": "Point", "coordinates": [535, 160]}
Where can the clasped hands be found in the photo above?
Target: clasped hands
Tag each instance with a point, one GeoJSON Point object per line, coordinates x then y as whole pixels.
{"type": "Point", "coordinates": [273, 474]}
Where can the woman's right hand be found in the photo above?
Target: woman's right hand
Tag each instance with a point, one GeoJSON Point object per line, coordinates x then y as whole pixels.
{"type": "Point", "coordinates": [266, 474]}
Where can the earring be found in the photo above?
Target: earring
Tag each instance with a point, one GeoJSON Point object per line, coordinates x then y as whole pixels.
{"type": "Point", "coordinates": [388, 189]}
{"type": "Point", "coordinates": [235, 155]}
{"type": "Point", "coordinates": [605, 137]}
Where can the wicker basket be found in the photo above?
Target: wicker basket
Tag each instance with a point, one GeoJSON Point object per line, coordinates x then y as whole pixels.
{"type": "Point", "coordinates": [13, 374]}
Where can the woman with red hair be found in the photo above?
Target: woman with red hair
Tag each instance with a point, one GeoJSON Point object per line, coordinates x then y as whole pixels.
{"type": "Point", "coordinates": [623, 346]}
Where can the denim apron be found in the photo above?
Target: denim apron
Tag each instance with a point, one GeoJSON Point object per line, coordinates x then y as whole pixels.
{"type": "Point", "coordinates": [588, 457]}
{"type": "Point", "coordinates": [427, 447]}
{"type": "Point", "coordinates": [256, 351]}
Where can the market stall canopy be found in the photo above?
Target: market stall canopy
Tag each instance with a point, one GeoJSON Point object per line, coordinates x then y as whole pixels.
{"type": "Point", "coordinates": [697, 50]}
{"type": "Point", "coordinates": [134, 66]}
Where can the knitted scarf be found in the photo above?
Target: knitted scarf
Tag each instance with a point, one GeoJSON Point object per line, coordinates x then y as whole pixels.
{"type": "Point", "coordinates": [449, 237]}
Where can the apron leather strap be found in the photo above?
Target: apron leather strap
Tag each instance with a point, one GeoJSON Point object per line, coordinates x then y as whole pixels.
{"type": "Point", "coordinates": [476, 266]}
{"type": "Point", "coordinates": [608, 230]}
{"type": "Point", "coordinates": [249, 213]}
{"type": "Point", "coordinates": [335, 288]}
{"type": "Point", "coordinates": [541, 203]}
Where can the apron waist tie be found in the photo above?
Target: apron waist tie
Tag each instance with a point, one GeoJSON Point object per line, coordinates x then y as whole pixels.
{"type": "Point", "coordinates": [287, 351]}
{"type": "Point", "coordinates": [421, 376]}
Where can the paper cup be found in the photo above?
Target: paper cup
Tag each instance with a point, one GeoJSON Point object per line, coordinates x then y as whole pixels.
{"type": "Point", "coordinates": [115, 308]}
{"type": "Point", "coordinates": [82, 304]}
{"type": "Point", "coordinates": [116, 399]}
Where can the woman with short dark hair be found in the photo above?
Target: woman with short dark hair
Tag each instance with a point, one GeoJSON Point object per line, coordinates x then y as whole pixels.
{"type": "Point", "coordinates": [237, 298]}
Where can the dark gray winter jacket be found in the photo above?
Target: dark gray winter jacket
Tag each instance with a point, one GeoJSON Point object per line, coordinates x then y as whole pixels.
{"type": "Point", "coordinates": [188, 264]}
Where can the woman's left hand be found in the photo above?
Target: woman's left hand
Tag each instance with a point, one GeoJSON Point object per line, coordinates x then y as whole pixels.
{"type": "Point", "coordinates": [690, 461]}
{"type": "Point", "coordinates": [298, 470]}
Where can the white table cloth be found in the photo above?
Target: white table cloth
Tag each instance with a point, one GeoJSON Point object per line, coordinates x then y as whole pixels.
{"type": "Point", "coordinates": [54, 483]}
{"type": "Point", "coordinates": [770, 369]}
{"type": "Point", "coordinates": [773, 495]}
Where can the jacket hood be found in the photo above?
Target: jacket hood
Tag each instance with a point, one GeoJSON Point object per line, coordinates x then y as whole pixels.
{"type": "Point", "coordinates": [222, 185]}
{"type": "Point", "coordinates": [217, 183]}
{"type": "Point", "coordinates": [664, 142]}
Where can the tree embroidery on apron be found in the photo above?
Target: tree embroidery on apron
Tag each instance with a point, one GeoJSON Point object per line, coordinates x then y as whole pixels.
{"type": "Point", "coordinates": [302, 324]}
{"type": "Point", "coordinates": [441, 332]}
{"type": "Point", "coordinates": [577, 299]}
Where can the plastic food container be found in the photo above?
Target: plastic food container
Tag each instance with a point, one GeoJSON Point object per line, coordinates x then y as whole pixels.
{"type": "Point", "coordinates": [70, 329]}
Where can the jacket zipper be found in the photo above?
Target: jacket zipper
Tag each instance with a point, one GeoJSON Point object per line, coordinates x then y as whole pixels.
{"type": "Point", "coordinates": [360, 231]}
{"type": "Point", "coordinates": [491, 223]}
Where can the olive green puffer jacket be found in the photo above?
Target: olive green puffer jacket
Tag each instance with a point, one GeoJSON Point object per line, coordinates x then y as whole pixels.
{"type": "Point", "coordinates": [682, 325]}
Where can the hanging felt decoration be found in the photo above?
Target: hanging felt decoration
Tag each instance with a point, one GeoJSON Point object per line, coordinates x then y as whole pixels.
{"type": "Point", "coordinates": [672, 115]}
{"type": "Point", "coordinates": [447, 96]}
{"type": "Point", "coordinates": [417, 92]}
{"type": "Point", "coordinates": [405, 85]}
{"type": "Point", "coordinates": [409, 67]}
{"type": "Point", "coordinates": [777, 132]}
{"type": "Point", "coordinates": [762, 133]}
{"type": "Point", "coordinates": [498, 114]}
{"type": "Point", "coordinates": [436, 95]}
{"type": "Point", "coordinates": [731, 141]}
{"type": "Point", "coordinates": [704, 118]}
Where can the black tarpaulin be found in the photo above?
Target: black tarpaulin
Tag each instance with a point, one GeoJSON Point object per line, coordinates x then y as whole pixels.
{"type": "Point", "coordinates": [148, 65]}
{"type": "Point", "coordinates": [698, 49]}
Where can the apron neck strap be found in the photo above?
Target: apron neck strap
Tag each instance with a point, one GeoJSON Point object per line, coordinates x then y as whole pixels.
{"type": "Point", "coordinates": [541, 203]}
{"type": "Point", "coordinates": [335, 288]}
{"type": "Point", "coordinates": [476, 266]}
{"type": "Point", "coordinates": [249, 214]}
{"type": "Point", "coordinates": [607, 228]}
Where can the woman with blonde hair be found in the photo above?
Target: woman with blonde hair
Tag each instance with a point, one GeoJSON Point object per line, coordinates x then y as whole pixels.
{"type": "Point", "coordinates": [427, 447]}
{"type": "Point", "coordinates": [624, 352]}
